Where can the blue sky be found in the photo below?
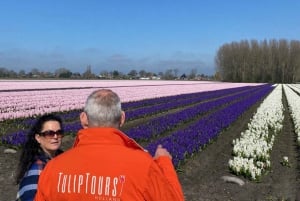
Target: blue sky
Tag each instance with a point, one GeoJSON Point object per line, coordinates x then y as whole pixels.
{"type": "Point", "coordinates": [136, 34]}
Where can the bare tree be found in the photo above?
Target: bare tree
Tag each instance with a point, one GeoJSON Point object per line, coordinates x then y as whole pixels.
{"type": "Point", "coordinates": [273, 61]}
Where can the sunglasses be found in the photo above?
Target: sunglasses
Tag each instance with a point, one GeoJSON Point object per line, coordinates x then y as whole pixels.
{"type": "Point", "coordinates": [51, 134]}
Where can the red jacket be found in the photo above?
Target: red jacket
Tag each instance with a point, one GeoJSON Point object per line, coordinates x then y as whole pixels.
{"type": "Point", "coordinates": [104, 164]}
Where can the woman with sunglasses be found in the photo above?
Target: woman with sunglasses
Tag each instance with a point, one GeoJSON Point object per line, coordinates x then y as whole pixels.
{"type": "Point", "coordinates": [43, 143]}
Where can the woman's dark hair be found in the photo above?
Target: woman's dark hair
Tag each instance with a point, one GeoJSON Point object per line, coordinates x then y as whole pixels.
{"type": "Point", "coordinates": [32, 148]}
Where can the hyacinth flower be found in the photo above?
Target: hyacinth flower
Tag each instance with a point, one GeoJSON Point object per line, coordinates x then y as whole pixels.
{"type": "Point", "coordinates": [15, 139]}
{"type": "Point", "coordinates": [186, 141]}
{"type": "Point", "coordinates": [285, 161]}
{"type": "Point", "coordinates": [179, 101]}
{"type": "Point", "coordinates": [252, 150]}
{"type": "Point", "coordinates": [293, 99]}
{"type": "Point", "coordinates": [157, 126]}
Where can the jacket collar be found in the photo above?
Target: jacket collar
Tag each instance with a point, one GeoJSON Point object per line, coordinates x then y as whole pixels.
{"type": "Point", "coordinates": [104, 135]}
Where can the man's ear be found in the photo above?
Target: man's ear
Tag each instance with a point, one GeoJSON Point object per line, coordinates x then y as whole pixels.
{"type": "Point", "coordinates": [84, 120]}
{"type": "Point", "coordinates": [122, 121]}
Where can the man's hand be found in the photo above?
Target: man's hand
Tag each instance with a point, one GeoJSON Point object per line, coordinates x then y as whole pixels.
{"type": "Point", "coordinates": [160, 151]}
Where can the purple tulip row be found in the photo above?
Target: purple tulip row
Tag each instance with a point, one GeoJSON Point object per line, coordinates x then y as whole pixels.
{"type": "Point", "coordinates": [159, 125]}
{"type": "Point", "coordinates": [185, 142]}
{"type": "Point", "coordinates": [173, 102]}
{"type": "Point", "coordinates": [155, 101]}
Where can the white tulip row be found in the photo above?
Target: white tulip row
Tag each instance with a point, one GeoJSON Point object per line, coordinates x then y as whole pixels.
{"type": "Point", "coordinates": [252, 150]}
{"type": "Point", "coordinates": [295, 87]}
{"type": "Point", "coordinates": [293, 100]}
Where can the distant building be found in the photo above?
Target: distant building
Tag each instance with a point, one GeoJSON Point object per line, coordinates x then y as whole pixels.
{"type": "Point", "coordinates": [183, 77]}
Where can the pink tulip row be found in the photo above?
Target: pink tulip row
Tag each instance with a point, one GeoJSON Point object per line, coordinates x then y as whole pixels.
{"type": "Point", "coordinates": [18, 104]}
{"type": "Point", "coordinates": [55, 84]}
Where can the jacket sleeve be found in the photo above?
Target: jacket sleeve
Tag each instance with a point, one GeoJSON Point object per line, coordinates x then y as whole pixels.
{"type": "Point", "coordinates": [163, 183]}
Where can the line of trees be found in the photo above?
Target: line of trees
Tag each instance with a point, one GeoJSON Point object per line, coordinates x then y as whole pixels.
{"type": "Point", "coordinates": [64, 73]}
{"type": "Point", "coordinates": [273, 61]}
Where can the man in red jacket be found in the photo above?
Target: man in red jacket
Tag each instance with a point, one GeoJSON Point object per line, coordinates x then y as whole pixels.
{"type": "Point", "coordinates": [105, 164]}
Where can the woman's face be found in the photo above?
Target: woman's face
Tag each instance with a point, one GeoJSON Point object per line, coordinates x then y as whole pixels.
{"type": "Point", "coordinates": [50, 137]}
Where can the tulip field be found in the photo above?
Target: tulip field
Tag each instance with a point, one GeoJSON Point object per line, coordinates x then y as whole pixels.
{"type": "Point", "coordinates": [183, 116]}
{"type": "Point", "coordinates": [189, 100]}
{"type": "Point", "coordinates": [186, 117]}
